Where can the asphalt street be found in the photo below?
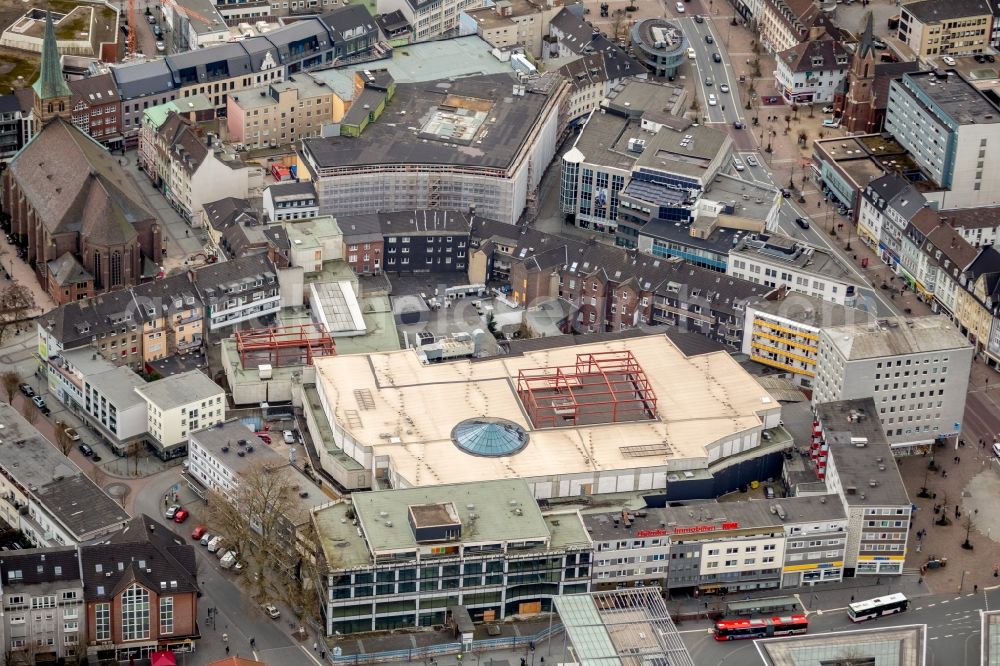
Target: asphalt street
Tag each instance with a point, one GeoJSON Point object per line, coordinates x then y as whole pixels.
{"type": "Point", "coordinates": [728, 110]}
{"type": "Point", "coordinates": [952, 630]}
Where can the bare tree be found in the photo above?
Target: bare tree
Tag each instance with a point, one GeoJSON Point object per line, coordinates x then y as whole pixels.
{"type": "Point", "coordinates": [16, 302]}
{"type": "Point", "coordinates": [31, 412]}
{"type": "Point", "coordinates": [253, 518]}
{"type": "Point", "coordinates": [11, 380]}
{"type": "Point", "coordinates": [63, 441]}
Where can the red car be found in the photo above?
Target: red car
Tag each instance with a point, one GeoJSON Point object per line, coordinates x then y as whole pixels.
{"type": "Point", "coordinates": [181, 515]}
{"type": "Point", "coordinates": [198, 532]}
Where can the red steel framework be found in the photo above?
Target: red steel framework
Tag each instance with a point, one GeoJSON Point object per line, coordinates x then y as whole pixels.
{"type": "Point", "coordinates": [601, 387]}
{"type": "Point", "coordinates": [284, 345]}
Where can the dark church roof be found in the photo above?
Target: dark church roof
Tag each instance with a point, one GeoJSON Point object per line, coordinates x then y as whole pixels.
{"type": "Point", "coordinates": [75, 185]}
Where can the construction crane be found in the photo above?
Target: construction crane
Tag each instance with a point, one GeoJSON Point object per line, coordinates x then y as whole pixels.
{"type": "Point", "coordinates": [132, 23]}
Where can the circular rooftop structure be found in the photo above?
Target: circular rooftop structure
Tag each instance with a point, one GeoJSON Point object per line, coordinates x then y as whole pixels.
{"type": "Point", "coordinates": [489, 437]}
{"type": "Point", "coordinates": [660, 45]}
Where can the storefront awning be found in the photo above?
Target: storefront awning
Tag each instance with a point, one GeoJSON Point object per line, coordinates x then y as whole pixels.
{"type": "Point", "coordinates": [164, 658]}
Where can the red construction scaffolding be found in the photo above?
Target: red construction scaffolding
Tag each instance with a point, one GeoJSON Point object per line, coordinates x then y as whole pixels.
{"type": "Point", "coordinates": [602, 387]}
{"type": "Point", "coordinates": [283, 345]}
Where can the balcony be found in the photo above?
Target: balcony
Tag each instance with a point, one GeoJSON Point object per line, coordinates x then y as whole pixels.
{"type": "Point", "coordinates": [188, 344]}
{"type": "Point", "coordinates": [181, 320]}
{"type": "Point", "coordinates": [659, 308]}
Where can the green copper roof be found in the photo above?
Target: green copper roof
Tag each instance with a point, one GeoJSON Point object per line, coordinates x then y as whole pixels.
{"type": "Point", "coordinates": [50, 82]}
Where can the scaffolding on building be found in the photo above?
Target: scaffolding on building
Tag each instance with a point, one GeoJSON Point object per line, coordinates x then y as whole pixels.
{"type": "Point", "coordinates": [600, 388]}
{"type": "Point", "coordinates": [283, 346]}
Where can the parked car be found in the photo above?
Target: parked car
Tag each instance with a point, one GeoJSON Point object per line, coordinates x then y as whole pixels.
{"type": "Point", "coordinates": [996, 449]}
{"type": "Point", "coordinates": [228, 560]}
{"type": "Point", "coordinates": [948, 60]}
{"type": "Point", "coordinates": [680, 7]}
{"type": "Point", "coordinates": [161, 47]}
{"type": "Point", "coordinates": [272, 611]}
{"type": "Point", "coordinates": [802, 222]}
{"type": "Point", "coordinates": [198, 532]}
{"type": "Point", "coordinates": [73, 435]}
{"type": "Point", "coordinates": [879, 44]}
{"type": "Point", "coordinates": [768, 492]}
{"type": "Point", "coordinates": [171, 511]}
{"type": "Point", "coordinates": [214, 544]}
{"type": "Point", "coordinates": [752, 161]}
{"type": "Point", "coordinates": [979, 57]}
{"type": "Point", "coordinates": [264, 437]}
{"type": "Point", "coordinates": [181, 515]}
{"type": "Point", "coordinates": [26, 390]}
{"type": "Point", "coordinates": [206, 539]}
{"type": "Point", "coordinates": [990, 57]}
{"type": "Point", "coordinates": [86, 450]}
{"type": "Point", "coordinates": [151, 19]}
{"type": "Point", "coordinates": [288, 436]}
{"type": "Point", "coordinates": [831, 122]}
{"type": "Point", "coordinates": [827, 109]}
{"type": "Point", "coordinates": [40, 403]}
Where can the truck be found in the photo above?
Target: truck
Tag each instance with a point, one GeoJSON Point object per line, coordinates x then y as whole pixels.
{"type": "Point", "coordinates": [228, 560]}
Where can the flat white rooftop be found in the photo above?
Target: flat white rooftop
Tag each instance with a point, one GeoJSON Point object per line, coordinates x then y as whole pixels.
{"type": "Point", "coordinates": [406, 411]}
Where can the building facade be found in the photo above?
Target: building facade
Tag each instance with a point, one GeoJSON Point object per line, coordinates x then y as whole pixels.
{"type": "Point", "coordinates": [485, 546]}
{"type": "Point", "coordinates": [780, 261]}
{"type": "Point", "coordinates": [931, 29]}
{"type": "Point", "coordinates": [177, 406]}
{"type": "Point", "coordinates": [919, 368]}
{"type": "Point", "coordinates": [282, 112]}
{"type": "Point", "coordinates": [950, 128]}
{"type": "Point", "coordinates": [43, 619]}
{"type": "Point", "coordinates": [97, 109]}
{"type": "Point", "coordinates": [811, 72]}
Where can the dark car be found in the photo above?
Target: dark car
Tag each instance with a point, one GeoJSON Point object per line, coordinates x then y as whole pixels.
{"type": "Point", "coordinates": [738, 125]}
{"type": "Point", "coordinates": [980, 58]}
{"type": "Point", "coordinates": [709, 40]}
{"type": "Point", "coordinates": [802, 222]}
{"type": "Point", "coordinates": [86, 450]}
{"type": "Point", "coordinates": [990, 58]}
{"type": "Point", "coordinates": [698, 19]}
{"type": "Point", "coordinates": [26, 390]}
{"type": "Point", "coordinates": [716, 57]}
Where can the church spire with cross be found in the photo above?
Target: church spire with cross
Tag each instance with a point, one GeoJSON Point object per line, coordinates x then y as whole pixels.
{"type": "Point", "coordinates": [52, 93]}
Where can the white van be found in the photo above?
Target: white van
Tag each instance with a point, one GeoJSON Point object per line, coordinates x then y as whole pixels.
{"type": "Point", "coordinates": [214, 544]}
{"type": "Point", "coordinates": [228, 560]}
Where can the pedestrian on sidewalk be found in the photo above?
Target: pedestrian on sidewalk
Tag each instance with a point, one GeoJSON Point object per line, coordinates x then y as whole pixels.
{"type": "Point", "coordinates": [227, 649]}
{"type": "Point", "coordinates": [315, 647]}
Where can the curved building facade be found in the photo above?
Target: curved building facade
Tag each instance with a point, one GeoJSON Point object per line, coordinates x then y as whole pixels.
{"type": "Point", "coordinates": [659, 45]}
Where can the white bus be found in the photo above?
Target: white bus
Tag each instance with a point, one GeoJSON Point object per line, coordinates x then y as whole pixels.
{"type": "Point", "coordinates": [887, 605]}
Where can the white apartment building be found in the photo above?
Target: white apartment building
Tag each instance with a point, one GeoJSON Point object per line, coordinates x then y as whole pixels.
{"type": "Point", "coordinates": [239, 290]}
{"type": "Point", "coordinates": [811, 72]}
{"type": "Point", "coordinates": [430, 18]}
{"type": "Point", "coordinates": [180, 404]}
{"type": "Point", "coordinates": [706, 547]}
{"type": "Point", "coordinates": [216, 456]}
{"type": "Point", "coordinates": [952, 131]}
{"type": "Point", "coordinates": [45, 495]}
{"type": "Point", "coordinates": [111, 401]}
{"type": "Point", "coordinates": [290, 201]}
{"type": "Point", "coordinates": [44, 619]}
{"type": "Point", "coordinates": [917, 369]}
{"type": "Point", "coordinates": [854, 459]}
{"type": "Point", "coordinates": [775, 261]}
{"type": "Point", "coordinates": [782, 331]}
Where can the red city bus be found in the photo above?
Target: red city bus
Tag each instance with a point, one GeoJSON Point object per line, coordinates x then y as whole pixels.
{"type": "Point", "coordinates": [760, 627]}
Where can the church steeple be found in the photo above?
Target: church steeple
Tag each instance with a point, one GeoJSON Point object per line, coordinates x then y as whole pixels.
{"type": "Point", "coordinates": [866, 45]}
{"type": "Point", "coordinates": [52, 93]}
{"type": "Point", "coordinates": [50, 81]}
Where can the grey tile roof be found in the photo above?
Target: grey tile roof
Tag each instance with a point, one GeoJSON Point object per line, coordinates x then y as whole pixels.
{"type": "Point", "coordinates": [67, 270]}
{"type": "Point", "coordinates": [84, 189]}
{"type": "Point", "coordinates": [146, 552]}
{"type": "Point", "coordinates": [39, 565]}
{"type": "Point", "coordinates": [224, 213]}
{"type": "Point", "coordinates": [350, 17]}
